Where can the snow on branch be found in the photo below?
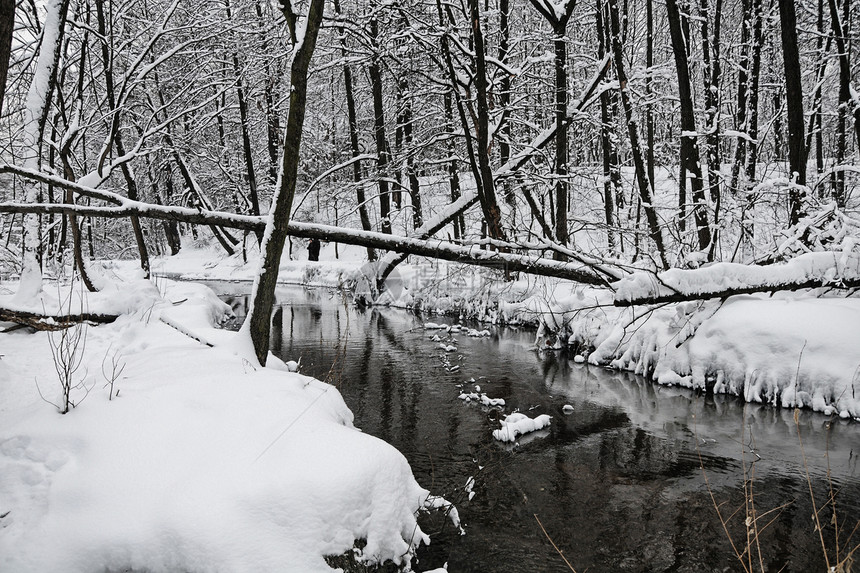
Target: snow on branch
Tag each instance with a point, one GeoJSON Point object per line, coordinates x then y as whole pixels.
{"type": "Point", "coordinates": [838, 269]}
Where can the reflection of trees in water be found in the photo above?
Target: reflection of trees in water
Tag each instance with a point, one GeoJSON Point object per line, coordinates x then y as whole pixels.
{"type": "Point", "coordinates": [617, 483]}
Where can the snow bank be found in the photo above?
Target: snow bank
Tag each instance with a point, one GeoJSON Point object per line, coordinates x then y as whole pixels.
{"type": "Point", "coordinates": [790, 349]}
{"type": "Point", "coordinates": [197, 462]}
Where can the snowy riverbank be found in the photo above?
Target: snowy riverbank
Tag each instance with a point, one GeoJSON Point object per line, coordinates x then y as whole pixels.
{"type": "Point", "coordinates": [181, 456]}
{"type": "Point", "coordinates": [788, 349]}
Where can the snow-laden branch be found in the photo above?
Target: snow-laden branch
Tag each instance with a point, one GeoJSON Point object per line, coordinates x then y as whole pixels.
{"type": "Point", "coordinates": [837, 269]}
{"type": "Point", "coordinates": [432, 248]}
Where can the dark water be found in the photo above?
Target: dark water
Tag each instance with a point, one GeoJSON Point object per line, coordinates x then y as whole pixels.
{"type": "Point", "coordinates": [620, 484]}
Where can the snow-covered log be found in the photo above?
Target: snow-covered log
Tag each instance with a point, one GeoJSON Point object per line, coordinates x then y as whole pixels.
{"type": "Point", "coordinates": [834, 269]}
{"type": "Point", "coordinates": [52, 322]}
{"type": "Point", "coordinates": [432, 248]}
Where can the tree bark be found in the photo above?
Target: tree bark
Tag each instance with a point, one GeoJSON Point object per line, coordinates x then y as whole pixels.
{"type": "Point", "coordinates": [711, 82]}
{"type": "Point", "coordinates": [432, 248]}
{"type": "Point", "coordinates": [645, 185]}
{"type": "Point", "coordinates": [258, 322]}
{"type": "Point", "coordinates": [352, 118]}
{"type": "Point", "coordinates": [794, 105]}
{"type": "Point", "coordinates": [115, 138]}
{"type": "Point", "coordinates": [690, 158]}
{"type": "Point", "coordinates": [375, 74]}
{"type": "Point", "coordinates": [459, 222]}
{"type": "Point", "coordinates": [39, 97]}
{"type": "Point", "coordinates": [487, 187]}
{"type": "Point", "coordinates": [609, 152]}
{"type": "Point", "coordinates": [505, 96]}
{"type": "Point", "coordinates": [840, 33]}
{"type": "Point", "coordinates": [7, 24]}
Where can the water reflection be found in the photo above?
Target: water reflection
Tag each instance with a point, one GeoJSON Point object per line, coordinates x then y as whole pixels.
{"type": "Point", "coordinates": [619, 483]}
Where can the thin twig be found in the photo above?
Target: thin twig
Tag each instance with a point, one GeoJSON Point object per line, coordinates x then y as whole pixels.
{"type": "Point", "coordinates": [560, 552]}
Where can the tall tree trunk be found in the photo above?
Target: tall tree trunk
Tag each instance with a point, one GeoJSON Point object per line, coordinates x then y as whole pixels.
{"type": "Point", "coordinates": [743, 88]}
{"type": "Point", "coordinates": [608, 149]}
{"type": "Point", "coordinates": [39, 97]}
{"type": "Point", "coordinates": [7, 24]}
{"type": "Point", "coordinates": [375, 74]}
{"type": "Point", "coordinates": [689, 144]}
{"type": "Point", "coordinates": [840, 33]}
{"type": "Point", "coordinates": [352, 118]}
{"type": "Point", "coordinates": [814, 126]}
{"type": "Point", "coordinates": [487, 188]}
{"type": "Point", "coordinates": [645, 185]}
{"type": "Point", "coordinates": [459, 222]}
{"type": "Point", "coordinates": [115, 138]}
{"type": "Point", "coordinates": [711, 81]}
{"type": "Point", "coordinates": [411, 175]}
{"type": "Point", "coordinates": [753, 92]}
{"type": "Point", "coordinates": [794, 105]}
{"type": "Point", "coordinates": [258, 322]}
{"type": "Point", "coordinates": [561, 141]}
{"type": "Point", "coordinates": [649, 92]}
{"type": "Point", "coordinates": [505, 96]}
{"type": "Point", "coordinates": [558, 17]}
{"type": "Point", "coordinates": [273, 126]}
{"type": "Point", "coordinates": [244, 128]}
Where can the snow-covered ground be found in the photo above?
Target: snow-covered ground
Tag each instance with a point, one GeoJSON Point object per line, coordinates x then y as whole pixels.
{"type": "Point", "coordinates": [179, 456]}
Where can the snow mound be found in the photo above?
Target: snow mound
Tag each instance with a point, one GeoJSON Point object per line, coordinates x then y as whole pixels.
{"type": "Point", "coordinates": [518, 424]}
{"type": "Point", "coordinates": [788, 350]}
{"type": "Point", "coordinates": [201, 463]}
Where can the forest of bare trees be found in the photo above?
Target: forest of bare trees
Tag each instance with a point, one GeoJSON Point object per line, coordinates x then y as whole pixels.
{"type": "Point", "coordinates": [646, 134]}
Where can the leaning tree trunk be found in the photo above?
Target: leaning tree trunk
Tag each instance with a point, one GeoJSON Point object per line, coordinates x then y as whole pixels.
{"type": "Point", "coordinates": [258, 323]}
{"type": "Point", "coordinates": [645, 185]}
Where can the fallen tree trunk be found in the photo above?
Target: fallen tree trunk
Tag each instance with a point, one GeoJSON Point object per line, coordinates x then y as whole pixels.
{"type": "Point", "coordinates": [52, 322]}
{"type": "Point", "coordinates": [422, 247]}
{"type": "Point", "coordinates": [831, 269]}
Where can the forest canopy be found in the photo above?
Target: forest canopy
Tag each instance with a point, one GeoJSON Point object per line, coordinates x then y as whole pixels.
{"type": "Point", "coordinates": [637, 134]}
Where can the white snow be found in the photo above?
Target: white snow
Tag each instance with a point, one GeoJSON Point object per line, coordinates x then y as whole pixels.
{"type": "Point", "coordinates": [198, 462]}
{"type": "Point", "coordinates": [517, 424]}
{"type": "Point", "coordinates": [478, 396]}
{"type": "Point", "coordinates": [829, 267]}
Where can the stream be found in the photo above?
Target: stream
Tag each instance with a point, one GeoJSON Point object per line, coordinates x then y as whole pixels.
{"type": "Point", "coordinates": [630, 480]}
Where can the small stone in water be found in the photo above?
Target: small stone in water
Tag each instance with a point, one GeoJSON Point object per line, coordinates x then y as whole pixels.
{"type": "Point", "coordinates": [567, 409]}
{"type": "Point", "coordinates": [579, 359]}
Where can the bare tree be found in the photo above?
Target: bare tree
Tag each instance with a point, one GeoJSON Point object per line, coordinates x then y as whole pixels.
{"type": "Point", "coordinates": [258, 322]}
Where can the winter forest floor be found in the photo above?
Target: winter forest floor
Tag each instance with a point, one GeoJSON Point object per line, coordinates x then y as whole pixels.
{"type": "Point", "coordinates": [113, 499]}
